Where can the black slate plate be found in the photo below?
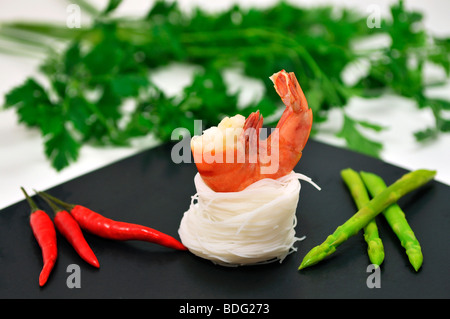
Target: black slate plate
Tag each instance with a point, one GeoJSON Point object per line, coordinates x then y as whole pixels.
{"type": "Point", "coordinates": [150, 189]}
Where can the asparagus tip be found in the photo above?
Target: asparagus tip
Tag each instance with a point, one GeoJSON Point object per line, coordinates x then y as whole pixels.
{"type": "Point", "coordinates": [415, 258]}
{"type": "Point", "coordinates": [376, 251]}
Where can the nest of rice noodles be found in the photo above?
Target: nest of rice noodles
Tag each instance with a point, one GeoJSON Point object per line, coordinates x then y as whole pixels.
{"type": "Point", "coordinates": [252, 226]}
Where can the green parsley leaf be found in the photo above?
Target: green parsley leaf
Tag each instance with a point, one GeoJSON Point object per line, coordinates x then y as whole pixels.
{"type": "Point", "coordinates": [61, 149]}
{"type": "Point", "coordinates": [356, 140]}
{"type": "Point", "coordinates": [29, 99]}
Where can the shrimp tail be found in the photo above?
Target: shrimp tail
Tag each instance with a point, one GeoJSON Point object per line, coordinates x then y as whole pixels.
{"type": "Point", "coordinates": [289, 90]}
{"type": "Point", "coordinates": [296, 121]}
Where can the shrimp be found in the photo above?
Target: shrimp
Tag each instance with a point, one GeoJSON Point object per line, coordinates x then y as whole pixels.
{"type": "Point", "coordinates": [232, 155]}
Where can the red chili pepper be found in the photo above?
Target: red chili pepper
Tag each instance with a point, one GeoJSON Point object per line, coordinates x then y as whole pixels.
{"type": "Point", "coordinates": [102, 226]}
{"type": "Point", "coordinates": [69, 228]}
{"type": "Point", "coordinates": [45, 234]}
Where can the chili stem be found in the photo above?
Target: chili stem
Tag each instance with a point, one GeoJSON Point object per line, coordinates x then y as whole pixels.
{"type": "Point", "coordinates": [32, 204]}
{"type": "Point", "coordinates": [54, 207]}
{"type": "Point", "coordinates": [55, 200]}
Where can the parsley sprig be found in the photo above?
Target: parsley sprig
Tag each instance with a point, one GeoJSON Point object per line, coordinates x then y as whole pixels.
{"type": "Point", "coordinates": [111, 62]}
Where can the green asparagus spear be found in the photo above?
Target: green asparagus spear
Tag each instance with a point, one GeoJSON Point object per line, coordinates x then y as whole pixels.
{"type": "Point", "coordinates": [397, 220]}
{"type": "Point", "coordinates": [376, 205]}
{"type": "Point", "coordinates": [357, 189]}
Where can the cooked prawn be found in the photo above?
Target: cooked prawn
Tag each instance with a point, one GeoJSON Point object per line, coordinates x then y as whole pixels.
{"type": "Point", "coordinates": [232, 156]}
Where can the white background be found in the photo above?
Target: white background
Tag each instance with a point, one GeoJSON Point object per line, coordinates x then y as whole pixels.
{"type": "Point", "coordinates": [22, 160]}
